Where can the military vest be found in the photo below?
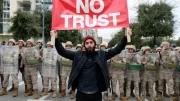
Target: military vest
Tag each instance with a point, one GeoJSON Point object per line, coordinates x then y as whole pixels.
{"type": "Point", "coordinates": [151, 59]}
{"type": "Point", "coordinates": [133, 61]}
{"type": "Point", "coordinates": [31, 56]}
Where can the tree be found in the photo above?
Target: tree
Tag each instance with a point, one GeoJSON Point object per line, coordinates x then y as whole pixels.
{"type": "Point", "coordinates": [1, 6]}
{"type": "Point", "coordinates": [70, 35]}
{"type": "Point", "coordinates": [25, 25]}
{"type": "Point", "coordinates": [155, 20]}
{"type": "Point", "coordinates": [135, 39]}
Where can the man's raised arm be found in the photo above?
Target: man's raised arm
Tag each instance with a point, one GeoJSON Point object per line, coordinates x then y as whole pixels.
{"type": "Point", "coordinates": [60, 49]}
{"type": "Point", "coordinates": [114, 51]}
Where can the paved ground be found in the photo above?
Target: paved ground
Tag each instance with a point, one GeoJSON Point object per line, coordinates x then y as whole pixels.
{"type": "Point", "coordinates": [45, 98]}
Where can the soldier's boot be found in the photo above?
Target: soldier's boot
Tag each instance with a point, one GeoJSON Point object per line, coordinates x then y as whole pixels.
{"type": "Point", "coordinates": [54, 94]}
{"type": "Point", "coordinates": [29, 93]}
{"type": "Point", "coordinates": [112, 97]}
{"type": "Point", "coordinates": [50, 91]}
{"type": "Point", "coordinates": [143, 99]}
{"type": "Point", "coordinates": [36, 94]}
{"type": "Point", "coordinates": [127, 97]}
{"type": "Point", "coordinates": [15, 92]}
{"type": "Point", "coordinates": [45, 92]}
{"type": "Point", "coordinates": [3, 92]}
{"type": "Point", "coordinates": [12, 88]}
{"type": "Point", "coordinates": [72, 94]}
{"type": "Point", "coordinates": [138, 99]}
{"type": "Point", "coordinates": [122, 98]}
{"type": "Point", "coordinates": [105, 97]}
{"type": "Point", "coordinates": [159, 97]}
{"type": "Point", "coordinates": [25, 88]}
{"type": "Point", "coordinates": [176, 98]}
{"type": "Point", "coordinates": [152, 99]}
{"type": "Point", "coordinates": [62, 93]}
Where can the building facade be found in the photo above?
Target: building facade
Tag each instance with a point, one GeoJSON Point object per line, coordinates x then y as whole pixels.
{"type": "Point", "coordinates": [9, 9]}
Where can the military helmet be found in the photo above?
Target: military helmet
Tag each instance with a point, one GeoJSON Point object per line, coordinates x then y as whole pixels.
{"type": "Point", "coordinates": [132, 47]}
{"type": "Point", "coordinates": [22, 41]}
{"type": "Point", "coordinates": [49, 43]}
{"type": "Point", "coordinates": [40, 41]}
{"type": "Point", "coordinates": [102, 44]}
{"type": "Point", "coordinates": [78, 45]}
{"type": "Point", "coordinates": [142, 48]}
{"type": "Point", "coordinates": [177, 48]}
{"type": "Point", "coordinates": [165, 43]}
{"type": "Point", "coordinates": [68, 43]}
{"type": "Point", "coordinates": [12, 40]}
{"type": "Point", "coordinates": [158, 48]}
{"type": "Point", "coordinates": [126, 47]}
{"type": "Point", "coordinates": [30, 40]}
{"type": "Point", "coordinates": [146, 48]}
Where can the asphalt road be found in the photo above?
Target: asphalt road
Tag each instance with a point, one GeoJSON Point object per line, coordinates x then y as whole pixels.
{"type": "Point", "coordinates": [21, 97]}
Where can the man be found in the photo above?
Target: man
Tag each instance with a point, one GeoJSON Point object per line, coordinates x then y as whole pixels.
{"type": "Point", "coordinates": [31, 61]}
{"type": "Point", "coordinates": [10, 61]}
{"type": "Point", "coordinates": [149, 62]}
{"type": "Point", "coordinates": [21, 69]}
{"type": "Point", "coordinates": [50, 59]}
{"type": "Point", "coordinates": [79, 47]}
{"type": "Point", "coordinates": [65, 71]}
{"type": "Point", "coordinates": [117, 68]}
{"type": "Point", "coordinates": [133, 61]}
{"type": "Point", "coordinates": [89, 70]}
{"type": "Point", "coordinates": [168, 63]}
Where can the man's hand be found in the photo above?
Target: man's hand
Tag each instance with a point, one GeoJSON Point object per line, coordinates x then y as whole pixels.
{"type": "Point", "coordinates": [128, 33]}
{"type": "Point", "coordinates": [53, 33]}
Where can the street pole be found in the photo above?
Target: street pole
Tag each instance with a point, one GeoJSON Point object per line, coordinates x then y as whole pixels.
{"type": "Point", "coordinates": [43, 27]}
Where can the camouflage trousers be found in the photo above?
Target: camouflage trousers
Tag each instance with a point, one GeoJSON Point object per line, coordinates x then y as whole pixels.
{"type": "Point", "coordinates": [118, 75]}
{"type": "Point", "coordinates": [65, 72]}
{"type": "Point", "coordinates": [53, 82]}
{"type": "Point", "coordinates": [133, 75]}
{"type": "Point", "coordinates": [31, 77]}
{"type": "Point", "coordinates": [148, 78]}
{"type": "Point", "coordinates": [14, 80]}
{"type": "Point", "coordinates": [167, 75]}
{"type": "Point", "coordinates": [177, 83]}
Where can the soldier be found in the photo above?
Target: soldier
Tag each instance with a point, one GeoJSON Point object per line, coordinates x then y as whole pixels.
{"type": "Point", "coordinates": [31, 60]}
{"type": "Point", "coordinates": [168, 61]}
{"type": "Point", "coordinates": [21, 69]}
{"type": "Point", "coordinates": [118, 66]}
{"type": "Point", "coordinates": [9, 56]}
{"type": "Point", "coordinates": [149, 62]}
{"type": "Point", "coordinates": [79, 47]}
{"type": "Point", "coordinates": [52, 75]}
{"type": "Point", "coordinates": [103, 47]}
{"type": "Point", "coordinates": [133, 61]}
{"type": "Point", "coordinates": [65, 72]}
{"type": "Point", "coordinates": [177, 76]}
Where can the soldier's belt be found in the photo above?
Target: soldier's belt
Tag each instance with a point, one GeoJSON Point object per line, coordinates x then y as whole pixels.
{"type": "Point", "coordinates": [32, 61]}
{"type": "Point", "coordinates": [151, 67]}
{"type": "Point", "coordinates": [67, 63]}
{"type": "Point", "coordinates": [169, 65]}
{"type": "Point", "coordinates": [139, 67]}
{"type": "Point", "coordinates": [118, 65]}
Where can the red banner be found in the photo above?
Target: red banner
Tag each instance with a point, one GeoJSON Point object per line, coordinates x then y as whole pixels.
{"type": "Point", "coordinates": [85, 14]}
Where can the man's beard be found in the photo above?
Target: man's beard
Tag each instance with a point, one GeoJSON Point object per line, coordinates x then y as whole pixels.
{"type": "Point", "coordinates": [90, 49]}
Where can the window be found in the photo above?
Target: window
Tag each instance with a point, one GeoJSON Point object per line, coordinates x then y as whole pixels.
{"type": "Point", "coordinates": [38, 1]}
{"type": "Point", "coordinates": [1, 28]}
{"type": "Point", "coordinates": [5, 27]}
{"type": "Point", "coordinates": [6, 5]}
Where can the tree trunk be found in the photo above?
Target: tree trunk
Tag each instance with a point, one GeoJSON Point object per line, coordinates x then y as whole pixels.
{"type": "Point", "coordinates": [154, 40]}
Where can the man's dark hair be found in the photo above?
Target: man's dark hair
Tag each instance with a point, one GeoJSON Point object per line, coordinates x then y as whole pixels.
{"type": "Point", "coordinates": [3, 43]}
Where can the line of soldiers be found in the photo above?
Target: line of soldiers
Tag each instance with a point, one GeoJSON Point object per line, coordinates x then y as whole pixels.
{"type": "Point", "coordinates": [29, 59]}
{"type": "Point", "coordinates": [139, 71]}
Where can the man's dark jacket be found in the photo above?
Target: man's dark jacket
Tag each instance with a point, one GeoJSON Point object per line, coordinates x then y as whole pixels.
{"type": "Point", "coordinates": [79, 59]}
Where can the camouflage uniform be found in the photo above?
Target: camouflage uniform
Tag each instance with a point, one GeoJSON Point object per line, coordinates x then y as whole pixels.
{"type": "Point", "coordinates": [65, 70]}
{"type": "Point", "coordinates": [50, 77]}
{"type": "Point", "coordinates": [149, 62]}
{"type": "Point", "coordinates": [14, 77]}
{"type": "Point", "coordinates": [31, 60]}
{"type": "Point", "coordinates": [118, 64]}
{"type": "Point", "coordinates": [134, 64]}
{"type": "Point", "coordinates": [168, 65]}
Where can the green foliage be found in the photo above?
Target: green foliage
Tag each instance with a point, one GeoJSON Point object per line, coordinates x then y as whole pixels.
{"type": "Point", "coordinates": [155, 20]}
{"type": "Point", "coordinates": [25, 25]}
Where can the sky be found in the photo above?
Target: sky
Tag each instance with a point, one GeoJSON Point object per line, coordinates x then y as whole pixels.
{"type": "Point", "coordinates": [107, 34]}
